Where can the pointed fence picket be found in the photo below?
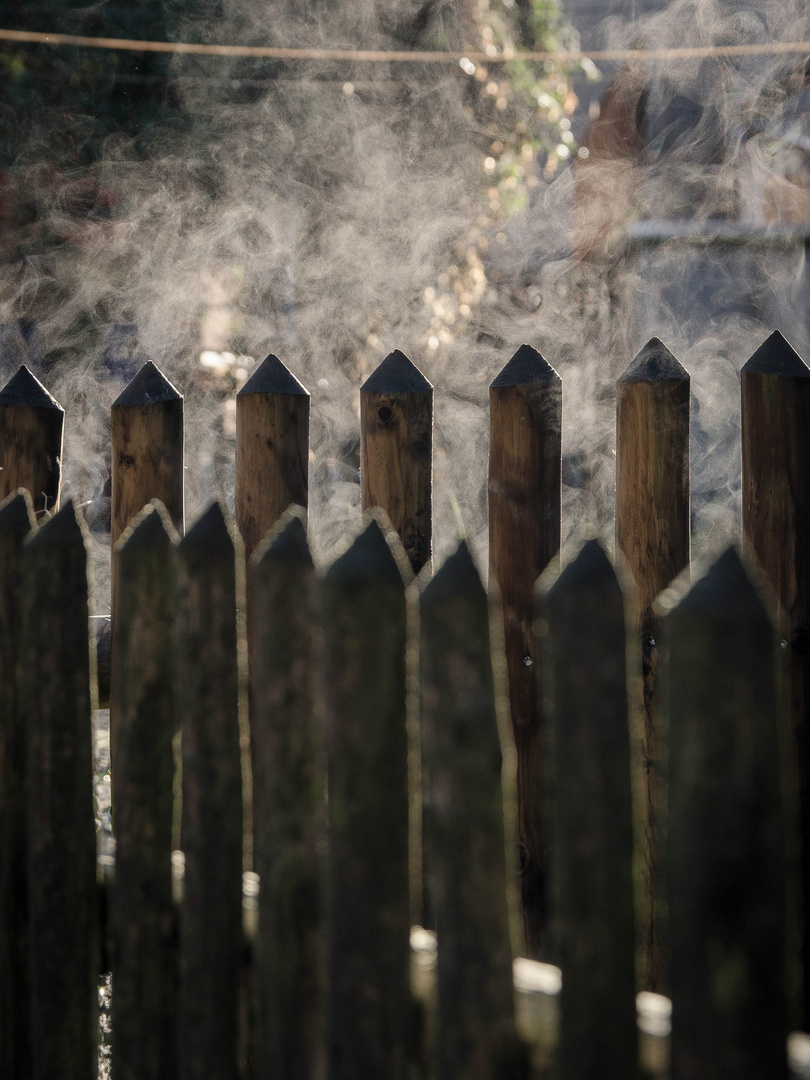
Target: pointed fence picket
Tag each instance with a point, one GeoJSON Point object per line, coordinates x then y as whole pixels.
{"type": "Point", "coordinates": [325, 975]}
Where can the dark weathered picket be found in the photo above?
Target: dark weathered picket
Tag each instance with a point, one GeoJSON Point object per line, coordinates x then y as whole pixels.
{"type": "Point", "coordinates": [468, 861]}
{"type": "Point", "coordinates": [16, 521]}
{"type": "Point", "coordinates": [365, 619]}
{"type": "Point", "coordinates": [653, 535]}
{"type": "Point", "coordinates": [62, 891]}
{"type": "Point", "coordinates": [142, 919]}
{"type": "Point", "coordinates": [31, 431]}
{"type": "Point", "coordinates": [727, 834]}
{"type": "Point", "coordinates": [525, 402]}
{"type": "Point", "coordinates": [212, 814]}
{"type": "Point", "coordinates": [775, 392]}
{"type": "Point", "coordinates": [396, 452]}
{"type": "Point", "coordinates": [583, 635]}
{"type": "Point", "coordinates": [289, 770]}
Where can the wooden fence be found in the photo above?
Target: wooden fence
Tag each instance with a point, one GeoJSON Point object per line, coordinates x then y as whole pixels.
{"type": "Point", "coordinates": [648, 801]}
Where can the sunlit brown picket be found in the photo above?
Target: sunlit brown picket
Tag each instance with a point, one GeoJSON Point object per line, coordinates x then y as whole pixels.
{"type": "Point", "coordinates": [32, 426]}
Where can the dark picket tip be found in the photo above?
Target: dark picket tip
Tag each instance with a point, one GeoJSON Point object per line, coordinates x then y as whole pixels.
{"type": "Point", "coordinates": [590, 569]}
{"type": "Point", "coordinates": [23, 388]}
{"type": "Point", "coordinates": [17, 514]}
{"type": "Point", "coordinates": [152, 528]}
{"type": "Point", "coordinates": [64, 530]}
{"type": "Point", "coordinates": [287, 540]}
{"type": "Point", "coordinates": [458, 577]}
{"type": "Point", "coordinates": [212, 532]}
{"type": "Point", "coordinates": [149, 387]}
{"type": "Point", "coordinates": [654, 363]}
{"type": "Point", "coordinates": [727, 589]}
{"type": "Point", "coordinates": [396, 375]}
{"type": "Point", "coordinates": [526, 366]}
{"type": "Point", "coordinates": [371, 555]}
{"type": "Point", "coordinates": [273, 377]}
{"type": "Point", "coordinates": [776, 356]}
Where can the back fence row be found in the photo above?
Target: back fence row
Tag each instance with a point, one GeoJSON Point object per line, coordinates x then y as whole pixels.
{"type": "Point", "coordinates": [670, 862]}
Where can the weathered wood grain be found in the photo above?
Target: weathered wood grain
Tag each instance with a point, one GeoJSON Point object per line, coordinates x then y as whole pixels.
{"type": "Point", "coordinates": [653, 535]}
{"type": "Point", "coordinates": [525, 402]}
{"type": "Point", "coordinates": [31, 432]}
{"type": "Point", "coordinates": [396, 452]}
{"type": "Point", "coordinates": [592, 926]}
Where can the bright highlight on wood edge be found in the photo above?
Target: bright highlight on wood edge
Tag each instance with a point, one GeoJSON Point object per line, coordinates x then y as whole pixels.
{"type": "Point", "coordinates": [271, 52]}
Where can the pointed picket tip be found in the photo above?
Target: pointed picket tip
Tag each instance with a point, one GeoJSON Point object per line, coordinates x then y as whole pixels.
{"type": "Point", "coordinates": [212, 532]}
{"type": "Point", "coordinates": [526, 366]}
{"type": "Point", "coordinates": [457, 578]}
{"type": "Point", "coordinates": [396, 375]}
{"type": "Point", "coordinates": [287, 541]}
{"type": "Point", "coordinates": [151, 528]}
{"type": "Point", "coordinates": [654, 363]}
{"type": "Point", "coordinates": [375, 553]}
{"type": "Point", "coordinates": [728, 589]}
{"type": "Point", "coordinates": [273, 377]}
{"type": "Point", "coordinates": [591, 568]}
{"type": "Point", "coordinates": [776, 356]}
{"type": "Point", "coordinates": [23, 388]}
{"type": "Point", "coordinates": [149, 387]}
{"type": "Point", "coordinates": [64, 530]}
{"type": "Point", "coordinates": [17, 514]}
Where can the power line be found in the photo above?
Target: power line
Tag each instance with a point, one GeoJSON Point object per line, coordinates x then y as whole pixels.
{"type": "Point", "coordinates": [465, 59]}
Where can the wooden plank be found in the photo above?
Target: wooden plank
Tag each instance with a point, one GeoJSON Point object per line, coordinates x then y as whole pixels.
{"type": "Point", "coordinates": [62, 891]}
{"type": "Point", "coordinates": [16, 521]}
{"type": "Point", "coordinates": [212, 817]}
{"type": "Point", "coordinates": [272, 450]}
{"type": "Point", "coordinates": [592, 926]}
{"type": "Point", "coordinates": [368, 950]}
{"type": "Point", "coordinates": [653, 535]}
{"type": "Point", "coordinates": [289, 808]}
{"type": "Point", "coordinates": [525, 492]}
{"type": "Point", "coordinates": [396, 452]}
{"type": "Point", "coordinates": [468, 863]}
{"type": "Point", "coordinates": [776, 518]}
{"type": "Point", "coordinates": [142, 921]}
{"type": "Point", "coordinates": [726, 832]}
{"type": "Point", "coordinates": [31, 432]}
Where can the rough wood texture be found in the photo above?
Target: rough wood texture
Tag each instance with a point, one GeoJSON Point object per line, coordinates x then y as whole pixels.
{"type": "Point", "coordinates": [289, 808]}
{"type": "Point", "coordinates": [468, 861]}
{"type": "Point", "coordinates": [652, 533]}
{"type": "Point", "coordinates": [16, 521]}
{"type": "Point", "coordinates": [147, 449]}
{"type": "Point", "coordinates": [776, 531]}
{"type": "Point", "coordinates": [726, 835]}
{"type": "Point", "coordinates": [367, 744]}
{"type": "Point", "coordinates": [142, 922]}
{"type": "Point", "coordinates": [31, 429]}
{"type": "Point", "coordinates": [525, 403]}
{"type": "Point", "coordinates": [211, 829]}
{"type": "Point", "coordinates": [592, 928]}
{"type": "Point", "coordinates": [63, 898]}
{"type": "Point", "coordinates": [396, 452]}
{"type": "Point", "coordinates": [272, 450]}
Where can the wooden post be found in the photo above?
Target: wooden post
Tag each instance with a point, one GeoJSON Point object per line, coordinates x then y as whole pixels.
{"type": "Point", "coordinates": [143, 931]}
{"type": "Point", "coordinates": [652, 533]}
{"type": "Point", "coordinates": [465, 824]}
{"type": "Point", "coordinates": [272, 450]}
{"type": "Point", "coordinates": [289, 807]}
{"type": "Point", "coordinates": [396, 452]}
{"type": "Point", "coordinates": [592, 928]}
{"type": "Point", "coordinates": [726, 831]}
{"type": "Point", "coordinates": [776, 532]}
{"type": "Point", "coordinates": [368, 890]}
{"type": "Point", "coordinates": [62, 891]}
{"type": "Point", "coordinates": [31, 430]}
{"type": "Point", "coordinates": [16, 521]}
{"type": "Point", "coordinates": [147, 449]}
{"type": "Point", "coordinates": [212, 820]}
{"type": "Point", "coordinates": [525, 462]}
